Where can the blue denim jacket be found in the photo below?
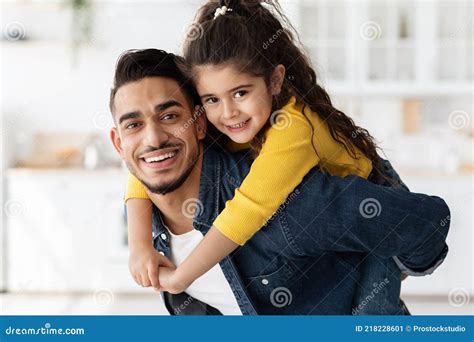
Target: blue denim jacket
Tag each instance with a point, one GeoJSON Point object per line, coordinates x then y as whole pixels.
{"type": "Point", "coordinates": [311, 256]}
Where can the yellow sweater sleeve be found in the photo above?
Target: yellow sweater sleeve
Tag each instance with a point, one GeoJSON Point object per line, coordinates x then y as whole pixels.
{"type": "Point", "coordinates": [135, 188]}
{"type": "Point", "coordinates": [285, 158]}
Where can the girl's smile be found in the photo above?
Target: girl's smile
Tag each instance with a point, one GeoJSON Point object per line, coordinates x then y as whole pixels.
{"type": "Point", "coordinates": [238, 127]}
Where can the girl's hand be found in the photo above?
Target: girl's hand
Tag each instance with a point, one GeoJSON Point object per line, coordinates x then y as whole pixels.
{"type": "Point", "coordinates": [170, 281]}
{"type": "Point", "coordinates": [144, 264]}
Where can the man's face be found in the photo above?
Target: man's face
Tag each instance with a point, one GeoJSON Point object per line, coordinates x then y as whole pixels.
{"type": "Point", "coordinates": [157, 134]}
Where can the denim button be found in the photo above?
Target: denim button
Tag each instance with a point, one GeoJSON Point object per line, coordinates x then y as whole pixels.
{"type": "Point", "coordinates": [163, 236]}
{"type": "Point", "coordinates": [265, 281]}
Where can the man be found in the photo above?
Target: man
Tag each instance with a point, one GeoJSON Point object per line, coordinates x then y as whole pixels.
{"type": "Point", "coordinates": [310, 257]}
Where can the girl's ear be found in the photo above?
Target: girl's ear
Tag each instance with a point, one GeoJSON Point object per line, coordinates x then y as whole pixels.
{"type": "Point", "coordinates": [277, 78]}
{"type": "Point", "coordinates": [201, 121]}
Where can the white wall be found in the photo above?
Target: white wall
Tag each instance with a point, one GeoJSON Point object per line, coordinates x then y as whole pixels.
{"type": "Point", "coordinates": [48, 86]}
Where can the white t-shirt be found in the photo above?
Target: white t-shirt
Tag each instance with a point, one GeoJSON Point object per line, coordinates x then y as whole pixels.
{"type": "Point", "coordinates": [212, 287]}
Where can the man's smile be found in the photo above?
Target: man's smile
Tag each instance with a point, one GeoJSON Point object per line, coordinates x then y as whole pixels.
{"type": "Point", "coordinates": [161, 159]}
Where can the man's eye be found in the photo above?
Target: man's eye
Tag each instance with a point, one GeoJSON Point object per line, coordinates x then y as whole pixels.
{"type": "Point", "coordinates": [240, 93]}
{"type": "Point", "coordinates": [211, 100]}
{"type": "Point", "coordinates": [131, 125]}
{"type": "Point", "coordinates": [170, 116]}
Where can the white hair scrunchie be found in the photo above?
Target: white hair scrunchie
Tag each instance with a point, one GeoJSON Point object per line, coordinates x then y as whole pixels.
{"type": "Point", "coordinates": [221, 11]}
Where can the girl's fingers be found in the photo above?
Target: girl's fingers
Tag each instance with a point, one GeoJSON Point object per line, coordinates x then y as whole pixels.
{"type": "Point", "coordinates": [146, 280]}
{"type": "Point", "coordinates": [153, 276]}
{"type": "Point", "coordinates": [167, 262]}
{"type": "Point", "coordinates": [138, 279]}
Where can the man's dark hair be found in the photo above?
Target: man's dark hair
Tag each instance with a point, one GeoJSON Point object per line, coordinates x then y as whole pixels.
{"type": "Point", "coordinates": [134, 65]}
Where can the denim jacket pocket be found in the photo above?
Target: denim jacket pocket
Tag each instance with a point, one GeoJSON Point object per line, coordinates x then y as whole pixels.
{"type": "Point", "coordinates": [269, 286]}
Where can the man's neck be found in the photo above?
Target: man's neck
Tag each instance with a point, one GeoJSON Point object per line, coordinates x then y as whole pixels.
{"type": "Point", "coordinates": [172, 205]}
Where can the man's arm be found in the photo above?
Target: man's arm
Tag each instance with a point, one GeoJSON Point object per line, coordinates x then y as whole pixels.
{"type": "Point", "coordinates": [354, 215]}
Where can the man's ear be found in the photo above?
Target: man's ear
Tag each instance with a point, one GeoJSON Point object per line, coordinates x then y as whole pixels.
{"type": "Point", "coordinates": [277, 78]}
{"type": "Point", "coordinates": [115, 138]}
{"type": "Point", "coordinates": [201, 121]}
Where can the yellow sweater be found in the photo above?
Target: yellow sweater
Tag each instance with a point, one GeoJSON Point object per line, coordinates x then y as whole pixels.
{"type": "Point", "coordinates": [286, 157]}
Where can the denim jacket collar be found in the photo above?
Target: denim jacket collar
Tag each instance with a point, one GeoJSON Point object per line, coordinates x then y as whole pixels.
{"type": "Point", "coordinates": [207, 207]}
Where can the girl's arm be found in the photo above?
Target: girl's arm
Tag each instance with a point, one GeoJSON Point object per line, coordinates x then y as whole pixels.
{"type": "Point", "coordinates": [139, 213]}
{"type": "Point", "coordinates": [212, 249]}
{"type": "Point", "coordinates": [286, 157]}
{"type": "Point", "coordinates": [144, 260]}
{"type": "Point", "coordinates": [135, 188]}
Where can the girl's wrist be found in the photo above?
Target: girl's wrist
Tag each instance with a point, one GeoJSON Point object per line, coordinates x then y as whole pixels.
{"type": "Point", "coordinates": [181, 279]}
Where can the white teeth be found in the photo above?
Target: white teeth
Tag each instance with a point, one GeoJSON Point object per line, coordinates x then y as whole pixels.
{"type": "Point", "coordinates": [240, 125]}
{"type": "Point", "coordinates": [160, 158]}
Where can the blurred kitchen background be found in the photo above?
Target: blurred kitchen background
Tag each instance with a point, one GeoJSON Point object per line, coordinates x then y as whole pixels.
{"type": "Point", "coordinates": [402, 69]}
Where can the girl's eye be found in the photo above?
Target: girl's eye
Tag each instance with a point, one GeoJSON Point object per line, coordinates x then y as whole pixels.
{"type": "Point", "coordinates": [211, 100]}
{"type": "Point", "coordinates": [170, 116]}
{"type": "Point", "coordinates": [131, 125]}
{"type": "Point", "coordinates": [240, 93]}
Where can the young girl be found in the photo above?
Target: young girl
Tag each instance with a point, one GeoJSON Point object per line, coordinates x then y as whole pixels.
{"type": "Point", "coordinates": [258, 87]}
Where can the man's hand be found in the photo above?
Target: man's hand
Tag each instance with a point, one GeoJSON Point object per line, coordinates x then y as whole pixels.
{"type": "Point", "coordinates": [144, 264]}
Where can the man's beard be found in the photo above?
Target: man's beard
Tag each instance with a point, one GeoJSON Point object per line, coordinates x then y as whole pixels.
{"type": "Point", "coordinates": [166, 188]}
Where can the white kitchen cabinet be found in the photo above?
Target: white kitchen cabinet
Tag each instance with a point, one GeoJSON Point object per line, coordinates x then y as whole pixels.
{"type": "Point", "coordinates": [66, 231]}
{"type": "Point", "coordinates": [385, 47]}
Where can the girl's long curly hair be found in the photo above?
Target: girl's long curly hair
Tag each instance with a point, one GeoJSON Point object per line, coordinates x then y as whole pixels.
{"type": "Point", "coordinates": [254, 37]}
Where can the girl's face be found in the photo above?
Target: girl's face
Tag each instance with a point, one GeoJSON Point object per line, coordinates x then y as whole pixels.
{"type": "Point", "coordinates": [237, 104]}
